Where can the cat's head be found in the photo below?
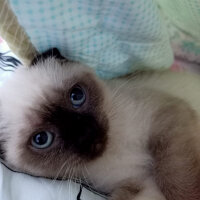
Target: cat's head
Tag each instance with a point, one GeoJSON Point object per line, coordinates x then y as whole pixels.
{"type": "Point", "coordinates": [52, 118]}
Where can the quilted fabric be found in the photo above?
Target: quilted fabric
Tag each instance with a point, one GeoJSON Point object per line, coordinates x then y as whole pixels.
{"type": "Point", "coordinates": [112, 36]}
{"type": "Point", "coordinates": [183, 24]}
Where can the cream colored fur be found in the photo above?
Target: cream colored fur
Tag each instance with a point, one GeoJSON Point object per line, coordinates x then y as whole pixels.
{"type": "Point", "coordinates": [130, 104]}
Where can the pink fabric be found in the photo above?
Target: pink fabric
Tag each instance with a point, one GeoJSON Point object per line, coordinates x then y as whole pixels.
{"type": "Point", "coordinates": [176, 67]}
{"type": "Point", "coordinates": [1, 40]}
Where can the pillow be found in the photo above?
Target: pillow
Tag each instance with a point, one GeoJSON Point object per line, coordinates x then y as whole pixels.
{"type": "Point", "coordinates": [113, 37]}
{"type": "Point", "coordinates": [18, 186]}
{"type": "Point", "coordinates": [183, 19]}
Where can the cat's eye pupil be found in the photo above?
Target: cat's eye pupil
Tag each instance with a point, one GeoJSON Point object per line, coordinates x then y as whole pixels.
{"type": "Point", "coordinates": [77, 97]}
{"type": "Point", "coordinates": [42, 139]}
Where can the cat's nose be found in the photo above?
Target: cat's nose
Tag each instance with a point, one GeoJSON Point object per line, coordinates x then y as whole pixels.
{"type": "Point", "coordinates": [81, 127]}
{"type": "Point", "coordinates": [84, 134]}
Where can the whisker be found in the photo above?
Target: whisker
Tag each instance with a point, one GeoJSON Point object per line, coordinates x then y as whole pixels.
{"type": "Point", "coordinates": [58, 173]}
{"type": "Point", "coordinates": [121, 86]}
{"type": "Point", "coordinates": [92, 183]}
{"type": "Point", "coordinates": [85, 178]}
{"type": "Point", "coordinates": [68, 169]}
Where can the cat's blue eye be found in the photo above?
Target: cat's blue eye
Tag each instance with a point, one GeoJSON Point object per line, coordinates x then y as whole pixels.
{"type": "Point", "coordinates": [42, 140]}
{"type": "Point", "coordinates": [77, 97]}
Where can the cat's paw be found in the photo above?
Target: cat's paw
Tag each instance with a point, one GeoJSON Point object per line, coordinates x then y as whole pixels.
{"type": "Point", "coordinates": [128, 191]}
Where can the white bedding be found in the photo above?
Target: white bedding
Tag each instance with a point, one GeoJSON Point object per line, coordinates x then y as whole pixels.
{"type": "Point", "coordinates": [18, 186]}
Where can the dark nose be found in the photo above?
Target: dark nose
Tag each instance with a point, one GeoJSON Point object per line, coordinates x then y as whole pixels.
{"type": "Point", "coordinates": [82, 133]}
{"type": "Point", "coordinates": [80, 128]}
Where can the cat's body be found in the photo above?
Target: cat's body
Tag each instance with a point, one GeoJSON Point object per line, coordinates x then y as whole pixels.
{"type": "Point", "coordinates": [157, 126]}
{"type": "Point", "coordinates": [136, 138]}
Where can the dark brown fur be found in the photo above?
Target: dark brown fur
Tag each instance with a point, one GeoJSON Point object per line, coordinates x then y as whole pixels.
{"type": "Point", "coordinates": [49, 53]}
{"type": "Point", "coordinates": [172, 144]}
{"type": "Point", "coordinates": [127, 191]}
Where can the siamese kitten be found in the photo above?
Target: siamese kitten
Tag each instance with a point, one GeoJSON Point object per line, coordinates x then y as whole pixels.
{"type": "Point", "coordinates": [136, 138]}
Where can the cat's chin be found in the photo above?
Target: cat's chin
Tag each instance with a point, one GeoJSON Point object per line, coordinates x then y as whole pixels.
{"type": "Point", "coordinates": [73, 172]}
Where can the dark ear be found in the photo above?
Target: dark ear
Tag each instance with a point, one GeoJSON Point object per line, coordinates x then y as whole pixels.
{"type": "Point", "coordinates": [54, 52]}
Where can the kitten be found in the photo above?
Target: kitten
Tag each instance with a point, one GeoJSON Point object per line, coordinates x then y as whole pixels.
{"type": "Point", "coordinates": [136, 138]}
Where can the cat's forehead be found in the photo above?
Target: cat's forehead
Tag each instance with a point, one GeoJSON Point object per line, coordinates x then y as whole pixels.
{"type": "Point", "coordinates": [50, 72]}
{"type": "Point", "coordinates": [54, 73]}
{"type": "Point", "coordinates": [45, 82]}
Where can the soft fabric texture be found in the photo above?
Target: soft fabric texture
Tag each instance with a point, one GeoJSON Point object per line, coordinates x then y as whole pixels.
{"type": "Point", "coordinates": [183, 25]}
{"type": "Point", "coordinates": [113, 37]}
{"type": "Point", "coordinates": [14, 34]}
{"type": "Point", "coordinates": [18, 186]}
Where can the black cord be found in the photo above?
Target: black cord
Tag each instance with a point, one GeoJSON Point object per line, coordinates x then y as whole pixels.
{"type": "Point", "coordinates": [79, 194]}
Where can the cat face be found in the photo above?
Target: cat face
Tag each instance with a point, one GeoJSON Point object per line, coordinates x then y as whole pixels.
{"type": "Point", "coordinates": [53, 118]}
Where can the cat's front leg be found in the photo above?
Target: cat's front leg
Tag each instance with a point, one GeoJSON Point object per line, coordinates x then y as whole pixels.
{"type": "Point", "coordinates": [129, 190]}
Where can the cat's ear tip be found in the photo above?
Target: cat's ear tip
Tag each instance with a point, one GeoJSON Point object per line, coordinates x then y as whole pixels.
{"type": "Point", "coordinates": [53, 52]}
